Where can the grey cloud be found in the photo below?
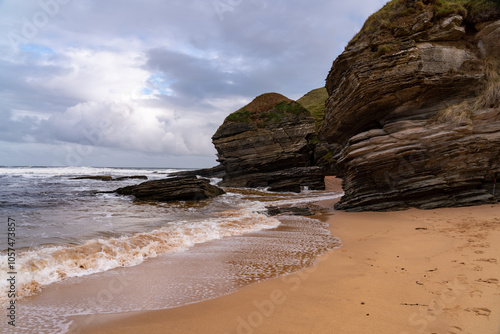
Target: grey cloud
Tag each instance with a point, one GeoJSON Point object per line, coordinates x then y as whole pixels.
{"type": "Point", "coordinates": [213, 60]}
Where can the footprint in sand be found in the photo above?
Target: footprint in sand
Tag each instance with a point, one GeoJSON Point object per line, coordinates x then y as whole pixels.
{"type": "Point", "coordinates": [462, 279]}
{"type": "Point", "coordinates": [479, 252]}
{"type": "Point", "coordinates": [454, 330]}
{"type": "Point", "coordinates": [490, 260]}
{"type": "Point", "coordinates": [480, 311]}
{"type": "Point", "coordinates": [476, 293]}
{"type": "Point", "coordinates": [481, 245]}
{"type": "Point", "coordinates": [489, 281]}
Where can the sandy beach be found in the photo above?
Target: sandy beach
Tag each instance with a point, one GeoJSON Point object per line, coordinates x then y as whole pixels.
{"type": "Point", "coordinates": [402, 272]}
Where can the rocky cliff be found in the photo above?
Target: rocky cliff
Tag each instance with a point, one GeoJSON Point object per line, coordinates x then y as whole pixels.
{"type": "Point", "coordinates": [269, 143]}
{"type": "Point", "coordinates": [412, 117]}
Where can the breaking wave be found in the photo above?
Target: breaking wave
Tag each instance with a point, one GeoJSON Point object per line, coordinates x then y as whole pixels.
{"type": "Point", "coordinates": [47, 265]}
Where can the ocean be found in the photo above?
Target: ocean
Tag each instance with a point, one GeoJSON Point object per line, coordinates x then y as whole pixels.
{"type": "Point", "coordinates": [67, 234]}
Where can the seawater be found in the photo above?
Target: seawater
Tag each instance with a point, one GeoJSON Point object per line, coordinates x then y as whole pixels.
{"type": "Point", "coordinates": [66, 230]}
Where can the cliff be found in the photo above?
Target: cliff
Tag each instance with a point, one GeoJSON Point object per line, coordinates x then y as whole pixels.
{"type": "Point", "coordinates": [412, 117]}
{"type": "Point", "coordinates": [268, 143]}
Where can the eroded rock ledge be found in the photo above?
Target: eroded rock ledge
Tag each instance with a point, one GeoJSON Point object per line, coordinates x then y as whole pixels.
{"type": "Point", "coordinates": [413, 163]}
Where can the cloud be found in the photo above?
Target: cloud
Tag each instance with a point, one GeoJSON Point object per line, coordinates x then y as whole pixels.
{"type": "Point", "coordinates": [155, 78]}
{"type": "Point", "coordinates": [95, 75]}
{"type": "Point", "coordinates": [132, 125]}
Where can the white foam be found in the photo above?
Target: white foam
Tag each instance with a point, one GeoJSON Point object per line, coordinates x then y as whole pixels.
{"type": "Point", "coordinates": [310, 199]}
{"type": "Point", "coordinates": [40, 267]}
{"type": "Point", "coordinates": [41, 172]}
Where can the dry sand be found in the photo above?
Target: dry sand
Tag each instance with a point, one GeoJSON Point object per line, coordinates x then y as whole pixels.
{"type": "Point", "coordinates": [403, 272]}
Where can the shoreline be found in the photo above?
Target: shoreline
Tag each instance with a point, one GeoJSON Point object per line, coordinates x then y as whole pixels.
{"type": "Point", "coordinates": [204, 270]}
{"type": "Point", "coordinates": [401, 272]}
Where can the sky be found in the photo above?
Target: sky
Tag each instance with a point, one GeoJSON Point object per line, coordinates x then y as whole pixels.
{"type": "Point", "coordinates": [146, 83]}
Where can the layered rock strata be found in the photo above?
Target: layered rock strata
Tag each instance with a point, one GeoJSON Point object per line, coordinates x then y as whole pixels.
{"type": "Point", "coordinates": [268, 144]}
{"type": "Point", "coordinates": [413, 116]}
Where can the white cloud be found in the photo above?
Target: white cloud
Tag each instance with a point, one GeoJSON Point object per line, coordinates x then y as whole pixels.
{"type": "Point", "coordinates": [96, 75]}
{"type": "Point", "coordinates": [156, 78]}
{"type": "Point", "coordinates": [132, 125]}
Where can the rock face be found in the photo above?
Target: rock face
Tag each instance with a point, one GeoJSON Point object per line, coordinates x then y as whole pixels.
{"type": "Point", "coordinates": [267, 144]}
{"type": "Point", "coordinates": [288, 211]}
{"type": "Point", "coordinates": [183, 188]}
{"type": "Point", "coordinates": [413, 116]}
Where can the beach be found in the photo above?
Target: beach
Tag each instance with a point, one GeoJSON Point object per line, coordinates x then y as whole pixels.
{"type": "Point", "coordinates": [413, 271]}
{"type": "Point", "coordinates": [250, 167]}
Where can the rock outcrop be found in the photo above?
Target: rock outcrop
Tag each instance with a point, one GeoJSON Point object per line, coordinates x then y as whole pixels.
{"type": "Point", "coordinates": [288, 211]}
{"type": "Point", "coordinates": [214, 172]}
{"type": "Point", "coordinates": [413, 116]}
{"type": "Point", "coordinates": [110, 178]}
{"type": "Point", "coordinates": [182, 188]}
{"type": "Point", "coordinates": [268, 144]}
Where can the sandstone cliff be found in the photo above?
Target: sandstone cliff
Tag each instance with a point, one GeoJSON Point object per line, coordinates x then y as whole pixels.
{"type": "Point", "coordinates": [413, 116]}
{"type": "Point", "coordinates": [268, 143]}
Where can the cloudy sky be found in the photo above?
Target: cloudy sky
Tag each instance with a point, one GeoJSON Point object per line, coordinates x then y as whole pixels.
{"type": "Point", "coordinates": [146, 83]}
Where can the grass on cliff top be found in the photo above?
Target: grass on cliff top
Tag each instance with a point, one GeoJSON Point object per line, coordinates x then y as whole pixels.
{"type": "Point", "coordinates": [314, 101]}
{"type": "Point", "coordinates": [265, 102]}
{"type": "Point", "coordinates": [400, 13]}
{"type": "Point", "coordinates": [269, 107]}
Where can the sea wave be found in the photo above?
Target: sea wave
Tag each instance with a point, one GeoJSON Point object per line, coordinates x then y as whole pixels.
{"type": "Point", "coordinates": [47, 265]}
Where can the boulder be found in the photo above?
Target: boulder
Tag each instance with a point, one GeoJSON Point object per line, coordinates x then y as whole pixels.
{"type": "Point", "coordinates": [182, 188]}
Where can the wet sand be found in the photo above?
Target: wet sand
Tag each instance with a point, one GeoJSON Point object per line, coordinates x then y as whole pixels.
{"type": "Point", "coordinates": [413, 271]}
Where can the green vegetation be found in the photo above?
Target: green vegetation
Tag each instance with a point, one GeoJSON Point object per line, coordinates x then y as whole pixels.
{"type": "Point", "coordinates": [444, 8]}
{"type": "Point", "coordinates": [282, 110]}
{"type": "Point", "coordinates": [242, 116]}
{"type": "Point", "coordinates": [270, 107]}
{"type": "Point", "coordinates": [273, 107]}
{"type": "Point", "coordinates": [384, 49]}
{"type": "Point", "coordinates": [466, 8]}
{"type": "Point", "coordinates": [314, 101]}
{"type": "Point", "coordinates": [398, 14]}
{"type": "Point", "coordinates": [265, 102]}
{"type": "Point", "coordinates": [314, 139]}
{"type": "Point", "coordinates": [382, 18]}
{"type": "Point", "coordinates": [327, 157]}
